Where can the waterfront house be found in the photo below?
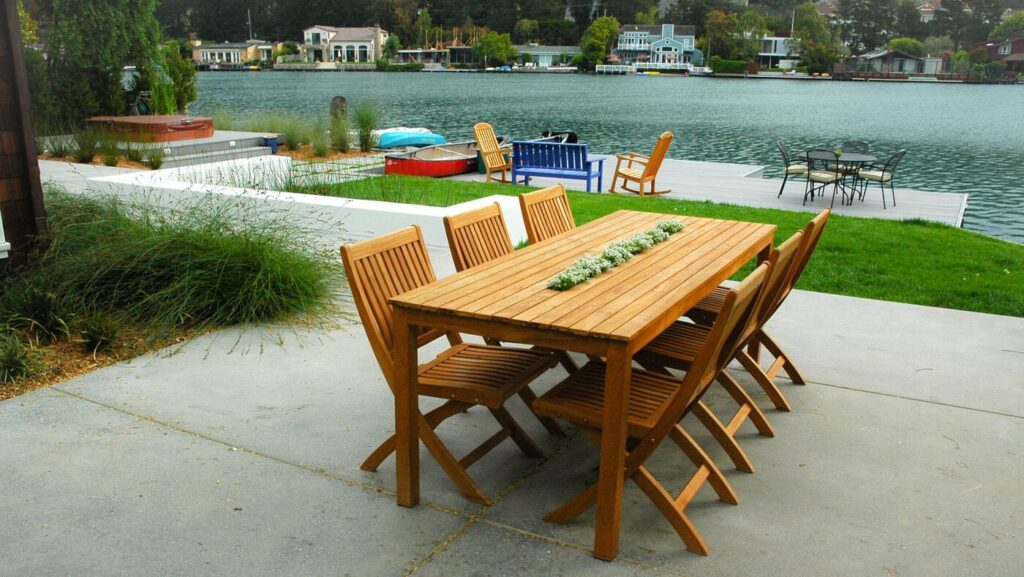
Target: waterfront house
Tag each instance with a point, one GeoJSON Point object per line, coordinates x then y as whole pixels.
{"type": "Point", "coordinates": [545, 56]}
{"type": "Point", "coordinates": [886, 61]}
{"type": "Point", "coordinates": [233, 54]}
{"type": "Point", "coordinates": [1010, 51]}
{"type": "Point", "coordinates": [778, 52]}
{"type": "Point", "coordinates": [655, 47]}
{"type": "Point", "coordinates": [333, 44]}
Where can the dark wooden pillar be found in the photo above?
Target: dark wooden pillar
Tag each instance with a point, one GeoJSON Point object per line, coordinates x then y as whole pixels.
{"type": "Point", "coordinates": [21, 196]}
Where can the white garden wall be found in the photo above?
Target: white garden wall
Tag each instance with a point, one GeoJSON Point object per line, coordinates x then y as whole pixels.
{"type": "Point", "coordinates": [249, 182]}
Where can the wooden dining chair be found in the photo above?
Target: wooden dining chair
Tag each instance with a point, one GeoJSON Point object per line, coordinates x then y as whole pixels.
{"type": "Point", "coordinates": [479, 236]}
{"type": "Point", "coordinates": [657, 403]}
{"type": "Point", "coordinates": [645, 170]}
{"type": "Point", "coordinates": [464, 375]}
{"type": "Point", "coordinates": [707, 310]}
{"type": "Point", "coordinates": [677, 348]}
{"type": "Point", "coordinates": [494, 157]}
{"type": "Point", "coordinates": [546, 213]}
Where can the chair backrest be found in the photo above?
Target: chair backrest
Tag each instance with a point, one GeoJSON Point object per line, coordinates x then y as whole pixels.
{"type": "Point", "coordinates": [378, 269]}
{"type": "Point", "coordinates": [785, 155]}
{"type": "Point", "coordinates": [487, 144]}
{"type": "Point", "coordinates": [854, 146]}
{"type": "Point", "coordinates": [533, 154]}
{"type": "Point", "coordinates": [783, 260]}
{"type": "Point", "coordinates": [477, 236]}
{"type": "Point", "coordinates": [822, 159]}
{"type": "Point", "coordinates": [893, 162]}
{"type": "Point", "coordinates": [719, 348]}
{"type": "Point", "coordinates": [811, 236]}
{"type": "Point", "coordinates": [658, 155]}
{"type": "Point", "coordinates": [546, 213]}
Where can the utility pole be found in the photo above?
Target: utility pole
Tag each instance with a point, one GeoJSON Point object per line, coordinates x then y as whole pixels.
{"type": "Point", "coordinates": [248, 14]}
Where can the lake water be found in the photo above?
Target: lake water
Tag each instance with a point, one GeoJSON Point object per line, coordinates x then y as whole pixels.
{"type": "Point", "coordinates": [967, 139]}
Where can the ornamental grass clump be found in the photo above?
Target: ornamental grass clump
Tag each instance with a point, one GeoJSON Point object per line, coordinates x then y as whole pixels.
{"type": "Point", "coordinates": [612, 256]}
{"type": "Point", "coordinates": [15, 358]}
{"type": "Point", "coordinates": [201, 265]}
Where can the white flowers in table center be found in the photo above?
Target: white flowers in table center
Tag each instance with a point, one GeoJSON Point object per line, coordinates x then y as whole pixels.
{"type": "Point", "coordinates": [613, 255]}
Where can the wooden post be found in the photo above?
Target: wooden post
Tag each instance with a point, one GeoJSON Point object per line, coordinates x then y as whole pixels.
{"type": "Point", "coordinates": [21, 195]}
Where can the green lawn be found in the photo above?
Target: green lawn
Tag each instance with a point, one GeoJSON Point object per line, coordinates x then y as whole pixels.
{"type": "Point", "coordinates": [904, 261]}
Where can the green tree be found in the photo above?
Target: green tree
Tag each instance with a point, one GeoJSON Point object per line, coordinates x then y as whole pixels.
{"type": "Point", "coordinates": [1012, 26]}
{"type": "Point", "coordinates": [526, 30]}
{"type": "Point", "coordinates": [812, 40]}
{"type": "Point", "coordinates": [868, 23]}
{"type": "Point", "coordinates": [953, 20]}
{"type": "Point", "coordinates": [598, 40]}
{"type": "Point", "coordinates": [392, 46]}
{"type": "Point", "coordinates": [911, 46]}
{"type": "Point", "coordinates": [29, 28]}
{"type": "Point", "coordinates": [936, 45]}
{"type": "Point", "coordinates": [960, 63]}
{"type": "Point", "coordinates": [689, 12]}
{"type": "Point", "coordinates": [649, 17]}
{"type": "Point", "coordinates": [908, 20]}
{"type": "Point", "coordinates": [181, 75]}
{"type": "Point", "coordinates": [750, 32]}
{"type": "Point", "coordinates": [720, 34]}
{"type": "Point", "coordinates": [423, 25]}
{"type": "Point", "coordinates": [87, 44]}
{"type": "Point", "coordinates": [494, 49]}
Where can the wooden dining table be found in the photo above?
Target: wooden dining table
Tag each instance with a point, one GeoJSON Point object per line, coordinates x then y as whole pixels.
{"type": "Point", "coordinates": [611, 316]}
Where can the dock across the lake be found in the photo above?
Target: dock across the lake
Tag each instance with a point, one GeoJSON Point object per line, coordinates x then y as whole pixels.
{"type": "Point", "coordinates": [744, 185]}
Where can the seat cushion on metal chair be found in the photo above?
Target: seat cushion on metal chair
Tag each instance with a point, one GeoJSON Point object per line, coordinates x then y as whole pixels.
{"type": "Point", "coordinates": [482, 374]}
{"type": "Point", "coordinates": [796, 169]}
{"type": "Point", "coordinates": [823, 176]}
{"type": "Point", "coordinates": [875, 175]}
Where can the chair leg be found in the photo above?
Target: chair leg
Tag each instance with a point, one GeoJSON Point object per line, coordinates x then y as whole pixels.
{"type": "Point", "coordinates": [517, 433]}
{"type": "Point", "coordinates": [769, 387]}
{"type": "Point", "coordinates": [667, 505]}
{"type": "Point", "coordinates": [743, 399]}
{"type": "Point", "coordinates": [433, 418]}
{"type": "Point", "coordinates": [785, 177]}
{"type": "Point", "coordinates": [881, 186]}
{"type": "Point", "coordinates": [456, 472]}
{"type": "Point", "coordinates": [787, 364]}
{"type": "Point", "coordinates": [893, 191]}
{"type": "Point", "coordinates": [528, 397]}
{"type": "Point", "coordinates": [702, 461]}
{"type": "Point", "coordinates": [725, 439]}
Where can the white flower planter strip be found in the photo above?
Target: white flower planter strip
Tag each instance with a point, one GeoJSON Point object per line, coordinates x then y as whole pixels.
{"type": "Point", "coordinates": [613, 255]}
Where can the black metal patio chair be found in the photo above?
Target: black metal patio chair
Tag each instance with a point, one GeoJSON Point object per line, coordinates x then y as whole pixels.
{"type": "Point", "coordinates": [792, 166]}
{"type": "Point", "coordinates": [823, 169]}
{"type": "Point", "coordinates": [882, 174]}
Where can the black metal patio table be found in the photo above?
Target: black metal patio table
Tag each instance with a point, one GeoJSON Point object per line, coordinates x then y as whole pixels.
{"type": "Point", "coordinates": [851, 162]}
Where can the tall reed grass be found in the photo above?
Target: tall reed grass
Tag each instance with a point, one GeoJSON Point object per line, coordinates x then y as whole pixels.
{"type": "Point", "coordinates": [366, 121]}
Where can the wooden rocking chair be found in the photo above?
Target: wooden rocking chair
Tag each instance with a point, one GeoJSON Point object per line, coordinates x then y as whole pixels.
{"type": "Point", "coordinates": [496, 159]}
{"type": "Point", "coordinates": [657, 403]}
{"type": "Point", "coordinates": [546, 213]}
{"type": "Point", "coordinates": [677, 346]}
{"type": "Point", "coordinates": [641, 176]}
{"type": "Point", "coordinates": [479, 236]}
{"type": "Point", "coordinates": [465, 375]}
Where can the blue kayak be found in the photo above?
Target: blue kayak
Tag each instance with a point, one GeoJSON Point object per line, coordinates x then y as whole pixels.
{"type": "Point", "coordinates": [396, 139]}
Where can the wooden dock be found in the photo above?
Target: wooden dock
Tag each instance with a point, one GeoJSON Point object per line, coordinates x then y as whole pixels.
{"type": "Point", "coordinates": [745, 185]}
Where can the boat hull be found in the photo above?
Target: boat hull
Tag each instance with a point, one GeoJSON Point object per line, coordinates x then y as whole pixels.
{"type": "Point", "coordinates": [433, 161]}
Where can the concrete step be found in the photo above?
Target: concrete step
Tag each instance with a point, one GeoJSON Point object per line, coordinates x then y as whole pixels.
{"type": "Point", "coordinates": [214, 156]}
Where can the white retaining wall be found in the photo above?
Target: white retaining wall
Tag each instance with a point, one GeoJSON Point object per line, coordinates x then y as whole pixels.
{"type": "Point", "coordinates": [337, 220]}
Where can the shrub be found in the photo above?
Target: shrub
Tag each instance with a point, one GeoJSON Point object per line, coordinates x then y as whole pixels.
{"type": "Point", "coordinates": [366, 121]}
{"type": "Point", "coordinates": [341, 138]}
{"type": "Point", "coordinates": [155, 157]}
{"type": "Point", "coordinates": [108, 148]}
{"type": "Point", "coordinates": [29, 305]}
{"type": "Point", "coordinates": [99, 331]}
{"type": "Point", "coordinates": [86, 143]}
{"type": "Point", "coordinates": [293, 132]}
{"type": "Point", "coordinates": [192, 265]}
{"type": "Point", "coordinates": [15, 360]}
{"type": "Point", "coordinates": [135, 151]}
{"type": "Point", "coordinates": [723, 66]}
{"type": "Point", "coordinates": [222, 119]}
{"type": "Point", "coordinates": [320, 140]}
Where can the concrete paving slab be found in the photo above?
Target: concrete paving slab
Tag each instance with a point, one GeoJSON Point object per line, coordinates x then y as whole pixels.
{"type": "Point", "coordinates": [854, 483]}
{"type": "Point", "coordinates": [91, 491]}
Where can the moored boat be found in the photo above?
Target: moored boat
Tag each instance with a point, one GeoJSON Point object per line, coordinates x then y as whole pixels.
{"type": "Point", "coordinates": [434, 161]}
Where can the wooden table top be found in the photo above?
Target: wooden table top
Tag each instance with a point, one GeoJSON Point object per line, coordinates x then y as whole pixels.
{"type": "Point", "coordinates": [618, 304]}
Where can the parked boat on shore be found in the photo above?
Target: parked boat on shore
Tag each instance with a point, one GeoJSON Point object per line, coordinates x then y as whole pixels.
{"type": "Point", "coordinates": [434, 161]}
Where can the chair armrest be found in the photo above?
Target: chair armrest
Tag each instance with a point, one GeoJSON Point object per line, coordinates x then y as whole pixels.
{"type": "Point", "coordinates": [638, 155]}
{"type": "Point", "coordinates": [634, 158]}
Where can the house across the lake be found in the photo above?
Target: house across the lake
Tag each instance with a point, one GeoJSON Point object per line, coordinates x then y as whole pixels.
{"type": "Point", "coordinates": [540, 56]}
{"type": "Point", "coordinates": [778, 52]}
{"type": "Point", "coordinates": [655, 47]}
{"type": "Point", "coordinates": [1010, 51]}
{"type": "Point", "coordinates": [233, 54]}
{"type": "Point", "coordinates": [333, 44]}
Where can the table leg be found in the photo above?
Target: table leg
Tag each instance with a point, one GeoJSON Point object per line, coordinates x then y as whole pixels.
{"type": "Point", "coordinates": [407, 439]}
{"type": "Point", "coordinates": [613, 454]}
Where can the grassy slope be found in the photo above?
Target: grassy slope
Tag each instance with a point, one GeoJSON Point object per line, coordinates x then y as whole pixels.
{"type": "Point", "coordinates": [910, 261]}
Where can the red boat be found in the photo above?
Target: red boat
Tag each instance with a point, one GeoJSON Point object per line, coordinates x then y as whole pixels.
{"type": "Point", "coordinates": [434, 161]}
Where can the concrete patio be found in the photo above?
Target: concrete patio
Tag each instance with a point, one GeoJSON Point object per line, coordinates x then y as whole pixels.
{"type": "Point", "coordinates": [237, 455]}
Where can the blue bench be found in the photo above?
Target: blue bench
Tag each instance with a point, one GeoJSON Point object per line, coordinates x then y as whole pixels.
{"type": "Point", "coordinates": [552, 159]}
